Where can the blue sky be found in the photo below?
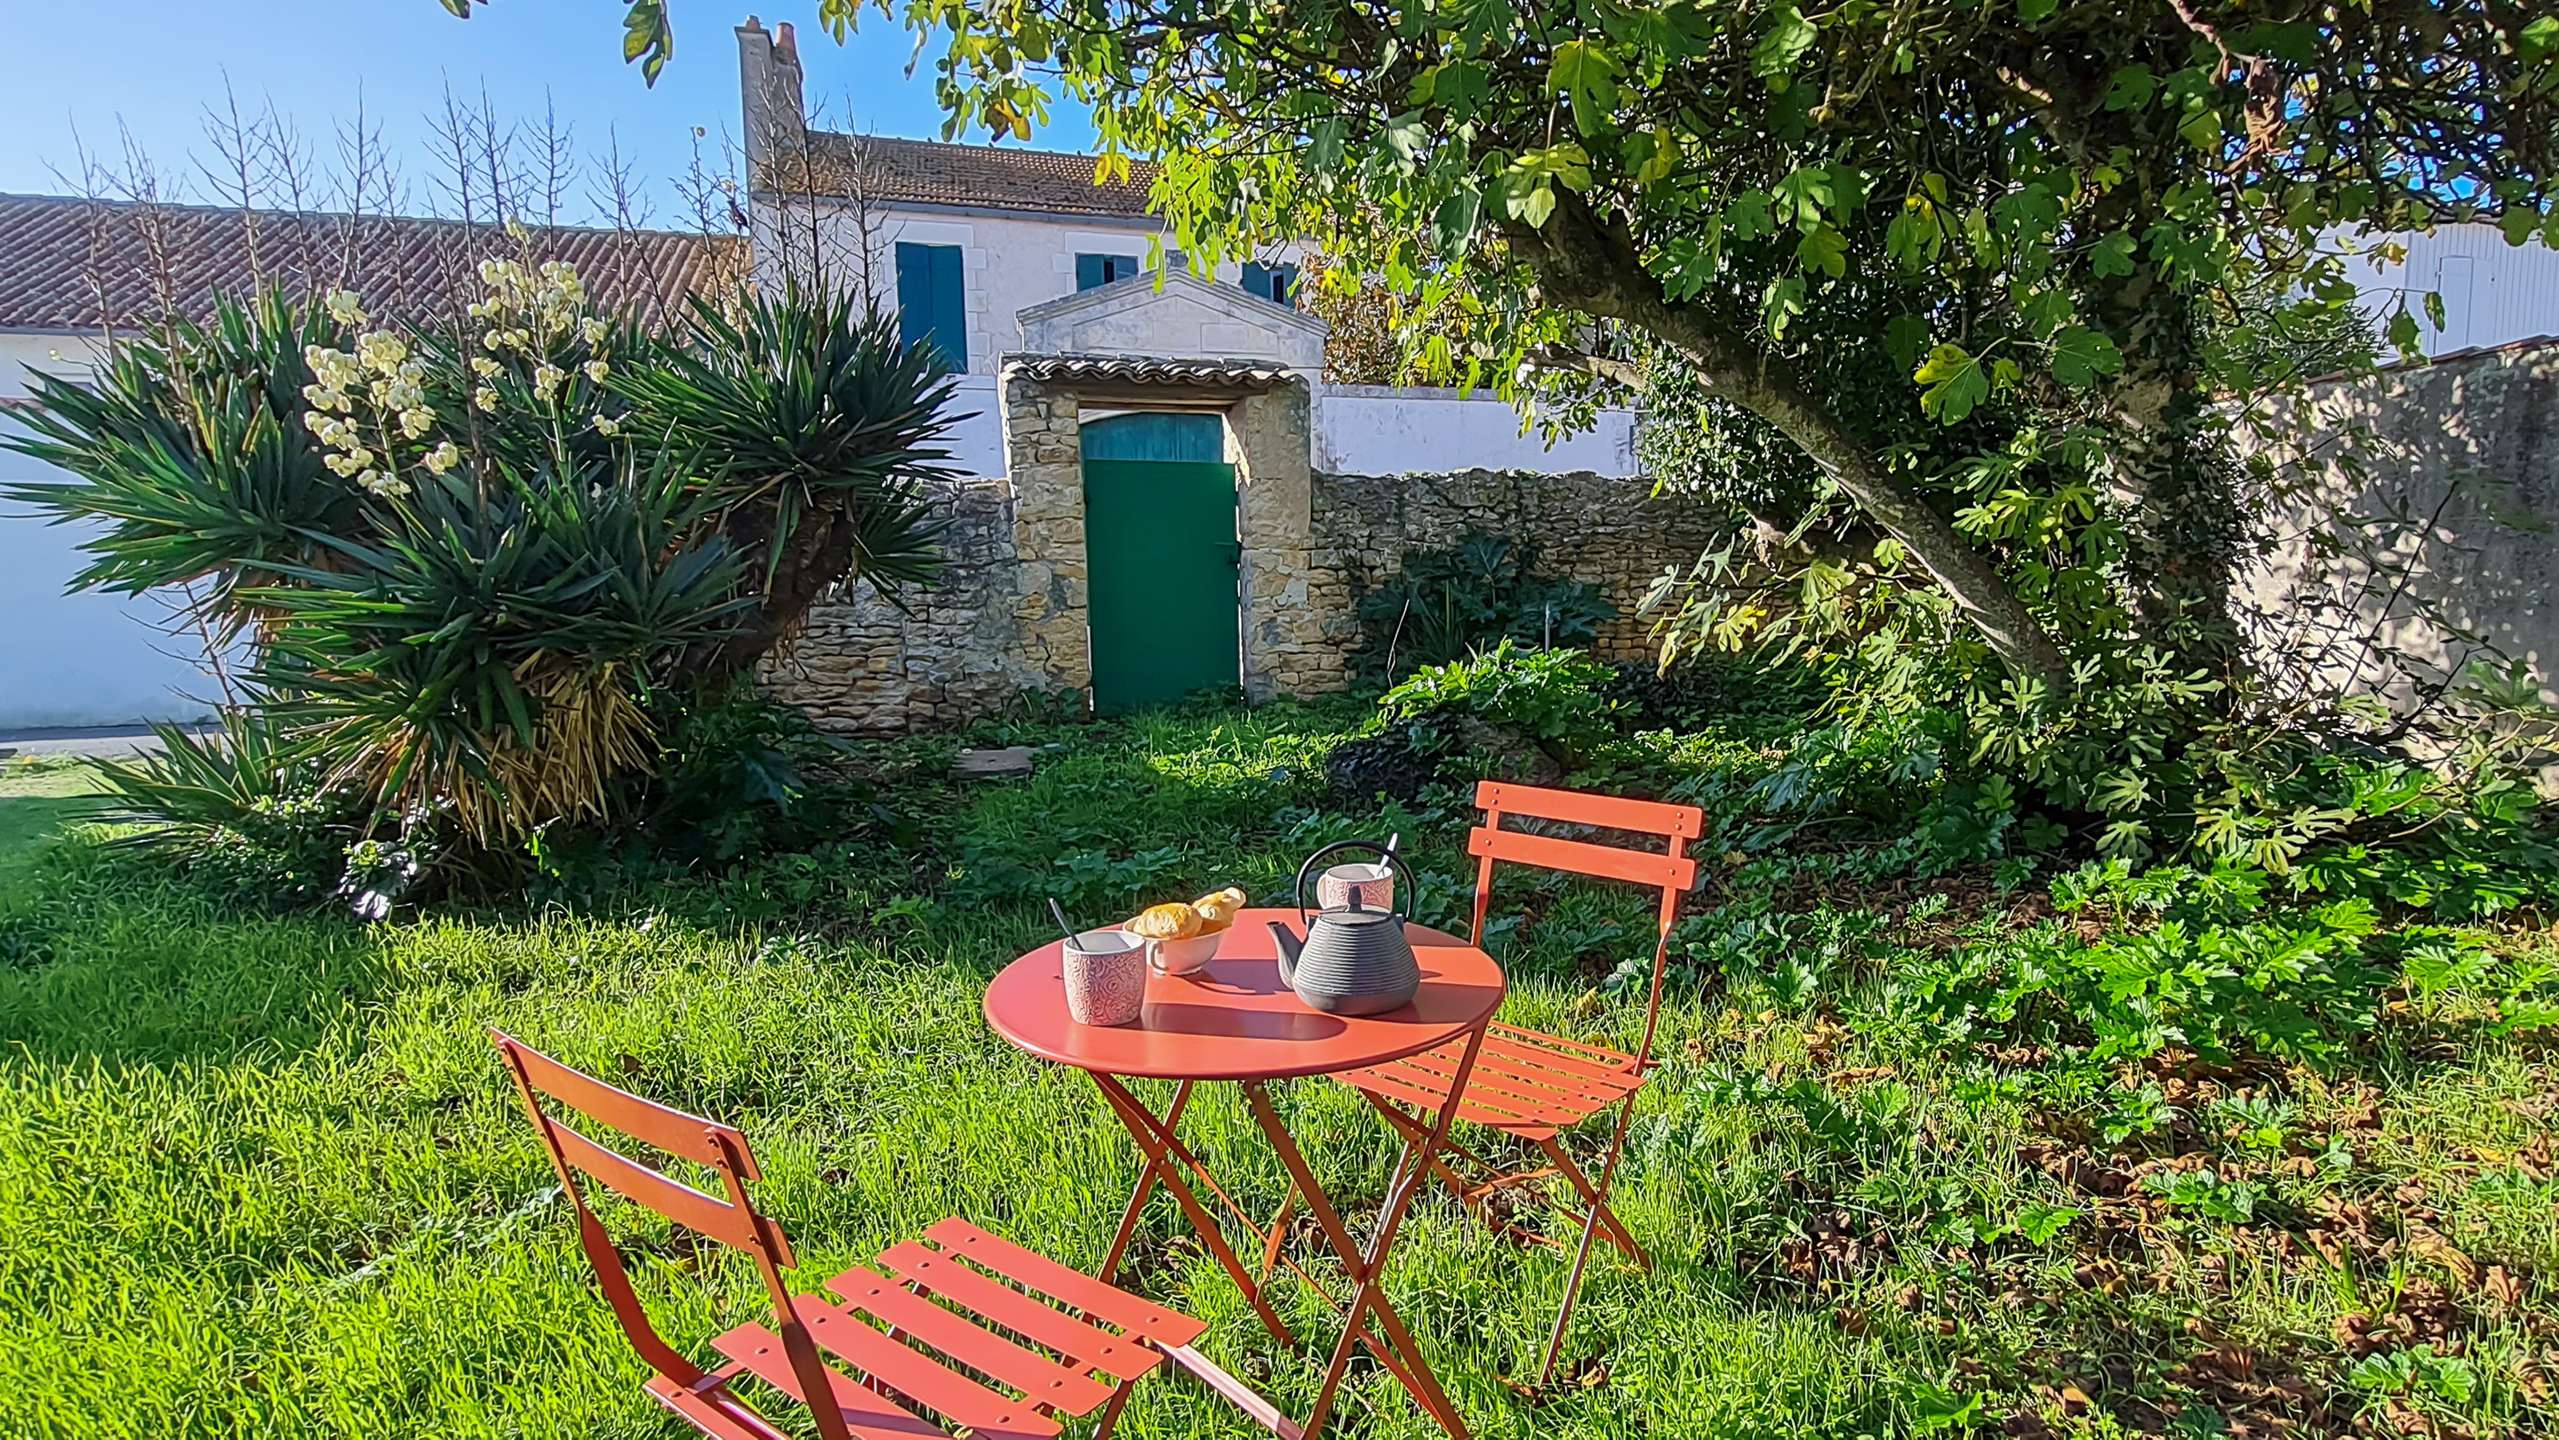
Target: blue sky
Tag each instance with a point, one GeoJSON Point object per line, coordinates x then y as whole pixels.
{"type": "Point", "coordinates": [153, 65]}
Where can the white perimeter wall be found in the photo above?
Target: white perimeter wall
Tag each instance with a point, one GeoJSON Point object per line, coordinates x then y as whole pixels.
{"type": "Point", "coordinates": [68, 659]}
{"type": "Point", "coordinates": [2493, 292]}
{"type": "Point", "coordinates": [1378, 430]}
{"type": "Point", "coordinates": [1372, 430]}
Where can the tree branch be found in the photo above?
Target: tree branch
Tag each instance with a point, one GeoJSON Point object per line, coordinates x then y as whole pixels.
{"type": "Point", "coordinates": [1583, 263]}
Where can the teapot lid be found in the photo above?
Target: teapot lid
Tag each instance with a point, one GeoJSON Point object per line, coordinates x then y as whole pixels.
{"type": "Point", "coordinates": [1354, 915]}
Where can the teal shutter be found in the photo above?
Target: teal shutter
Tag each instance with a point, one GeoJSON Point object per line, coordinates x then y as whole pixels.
{"type": "Point", "coordinates": [932, 300]}
{"type": "Point", "coordinates": [1092, 270]}
{"type": "Point", "coordinates": [914, 293]}
{"type": "Point", "coordinates": [1275, 283]}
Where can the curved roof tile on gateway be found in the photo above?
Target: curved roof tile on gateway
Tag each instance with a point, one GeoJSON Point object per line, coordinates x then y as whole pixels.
{"type": "Point", "coordinates": [1249, 375]}
{"type": "Point", "coordinates": [983, 177]}
{"type": "Point", "coordinates": [52, 247]}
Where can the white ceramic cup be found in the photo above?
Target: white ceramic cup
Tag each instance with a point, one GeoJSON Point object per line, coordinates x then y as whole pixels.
{"type": "Point", "coordinates": [1187, 956]}
{"type": "Point", "coordinates": [1374, 883]}
{"type": "Point", "coordinates": [1105, 977]}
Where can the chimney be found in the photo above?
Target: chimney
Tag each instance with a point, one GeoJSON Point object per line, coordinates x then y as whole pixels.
{"type": "Point", "coordinates": [769, 92]}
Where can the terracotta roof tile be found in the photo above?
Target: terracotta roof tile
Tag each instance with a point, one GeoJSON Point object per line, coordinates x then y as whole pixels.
{"type": "Point", "coordinates": [51, 245]}
{"type": "Point", "coordinates": [982, 176]}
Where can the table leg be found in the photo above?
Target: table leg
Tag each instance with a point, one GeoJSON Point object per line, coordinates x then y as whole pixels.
{"type": "Point", "coordinates": [1145, 1187]}
{"type": "Point", "coordinates": [1470, 1197]}
{"type": "Point", "coordinates": [1392, 1353]}
{"type": "Point", "coordinates": [1368, 1270]}
{"type": "Point", "coordinates": [1165, 1155]}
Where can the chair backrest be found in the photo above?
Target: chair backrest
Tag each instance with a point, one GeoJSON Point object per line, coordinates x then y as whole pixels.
{"type": "Point", "coordinates": [1671, 869]}
{"type": "Point", "coordinates": [733, 1221]}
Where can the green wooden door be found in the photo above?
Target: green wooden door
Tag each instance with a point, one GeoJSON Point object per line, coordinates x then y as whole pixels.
{"type": "Point", "coordinates": [1161, 552]}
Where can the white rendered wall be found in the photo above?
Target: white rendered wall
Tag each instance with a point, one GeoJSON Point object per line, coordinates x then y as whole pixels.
{"type": "Point", "coordinates": [2493, 293]}
{"type": "Point", "coordinates": [976, 439]}
{"type": "Point", "coordinates": [1381, 430]}
{"type": "Point", "coordinates": [1174, 316]}
{"type": "Point", "coordinates": [1371, 430]}
{"type": "Point", "coordinates": [86, 659]}
{"type": "Point", "coordinates": [1008, 262]}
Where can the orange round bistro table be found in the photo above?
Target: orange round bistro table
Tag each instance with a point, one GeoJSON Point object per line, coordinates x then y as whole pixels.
{"type": "Point", "coordinates": [1234, 1022]}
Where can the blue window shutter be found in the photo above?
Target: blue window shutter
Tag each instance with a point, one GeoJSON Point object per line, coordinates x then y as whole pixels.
{"type": "Point", "coordinates": [914, 293]}
{"type": "Point", "coordinates": [931, 301]}
{"type": "Point", "coordinates": [950, 323]}
{"type": "Point", "coordinates": [1092, 270]}
{"type": "Point", "coordinates": [1275, 283]}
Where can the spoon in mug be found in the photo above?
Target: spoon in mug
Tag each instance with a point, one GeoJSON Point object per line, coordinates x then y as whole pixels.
{"type": "Point", "coordinates": [1059, 911]}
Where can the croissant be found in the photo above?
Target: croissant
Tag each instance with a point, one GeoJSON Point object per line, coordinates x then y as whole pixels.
{"type": "Point", "coordinates": [1217, 908]}
{"type": "Point", "coordinates": [1166, 922]}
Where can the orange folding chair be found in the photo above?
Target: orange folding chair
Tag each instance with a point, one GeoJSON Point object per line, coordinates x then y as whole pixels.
{"type": "Point", "coordinates": [1040, 1330]}
{"type": "Point", "coordinates": [1532, 1085]}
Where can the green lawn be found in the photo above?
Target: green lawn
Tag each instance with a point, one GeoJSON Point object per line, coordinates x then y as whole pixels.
{"type": "Point", "coordinates": [37, 798]}
{"type": "Point", "coordinates": [262, 1176]}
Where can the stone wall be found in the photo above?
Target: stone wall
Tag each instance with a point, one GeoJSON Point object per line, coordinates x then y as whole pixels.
{"type": "Point", "coordinates": [2451, 467]}
{"type": "Point", "coordinates": [2459, 472]}
{"type": "Point", "coordinates": [863, 667]}
{"type": "Point", "coordinates": [1044, 440]}
{"type": "Point", "coordinates": [1008, 615]}
{"type": "Point", "coordinates": [1605, 531]}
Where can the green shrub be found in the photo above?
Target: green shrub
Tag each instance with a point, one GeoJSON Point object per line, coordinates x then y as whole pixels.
{"type": "Point", "coordinates": [1444, 604]}
{"type": "Point", "coordinates": [745, 776]}
{"type": "Point", "coordinates": [1553, 700]}
{"type": "Point", "coordinates": [1701, 690]}
{"type": "Point", "coordinates": [2210, 969]}
{"type": "Point", "coordinates": [243, 812]}
{"type": "Point", "coordinates": [1398, 762]}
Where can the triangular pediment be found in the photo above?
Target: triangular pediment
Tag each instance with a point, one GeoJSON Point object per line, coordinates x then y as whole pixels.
{"type": "Point", "coordinates": [1185, 318]}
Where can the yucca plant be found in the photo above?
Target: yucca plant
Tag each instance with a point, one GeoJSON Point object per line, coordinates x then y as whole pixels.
{"type": "Point", "coordinates": [233, 776]}
{"type": "Point", "coordinates": [493, 646]}
{"type": "Point", "coordinates": [821, 430]}
{"type": "Point", "coordinates": [474, 566]}
{"type": "Point", "coordinates": [188, 446]}
{"type": "Point", "coordinates": [240, 803]}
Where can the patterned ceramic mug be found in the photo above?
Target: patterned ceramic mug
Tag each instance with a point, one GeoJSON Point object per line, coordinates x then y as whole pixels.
{"type": "Point", "coordinates": [1105, 977]}
{"type": "Point", "coordinates": [1374, 884]}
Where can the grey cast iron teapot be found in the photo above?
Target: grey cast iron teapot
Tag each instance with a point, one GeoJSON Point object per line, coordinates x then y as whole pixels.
{"type": "Point", "coordinates": [1354, 961]}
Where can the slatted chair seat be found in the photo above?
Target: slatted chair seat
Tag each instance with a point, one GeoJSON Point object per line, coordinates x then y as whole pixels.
{"type": "Point", "coordinates": [960, 1329]}
{"type": "Point", "coordinates": [1526, 1083]}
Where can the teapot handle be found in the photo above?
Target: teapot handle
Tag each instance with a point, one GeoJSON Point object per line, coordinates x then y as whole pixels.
{"type": "Point", "coordinates": [1395, 862]}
